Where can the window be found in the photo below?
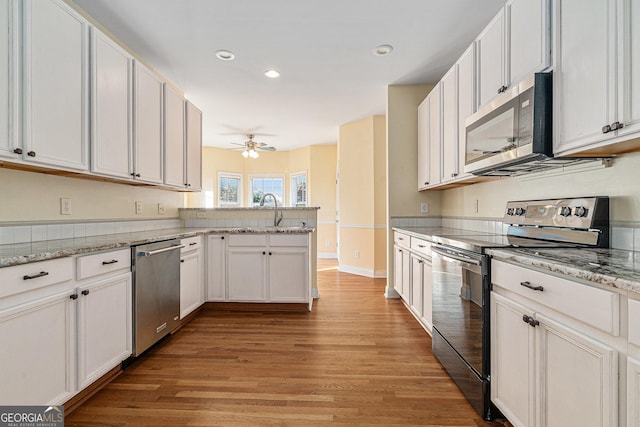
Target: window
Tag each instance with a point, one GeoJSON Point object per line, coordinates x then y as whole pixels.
{"type": "Point", "coordinates": [299, 189]}
{"type": "Point", "coordinates": [263, 184]}
{"type": "Point", "coordinates": [229, 190]}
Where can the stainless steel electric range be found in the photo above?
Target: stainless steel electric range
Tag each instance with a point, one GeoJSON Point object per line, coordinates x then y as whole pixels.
{"type": "Point", "coordinates": [462, 281]}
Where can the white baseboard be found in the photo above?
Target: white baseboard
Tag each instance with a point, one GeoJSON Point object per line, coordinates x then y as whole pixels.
{"type": "Point", "coordinates": [391, 293]}
{"type": "Point", "coordinates": [327, 255]}
{"type": "Point", "coordinates": [366, 272]}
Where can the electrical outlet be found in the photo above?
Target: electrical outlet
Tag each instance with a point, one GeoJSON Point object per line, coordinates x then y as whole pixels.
{"type": "Point", "coordinates": [356, 254]}
{"type": "Point", "coordinates": [160, 209]}
{"type": "Point", "coordinates": [65, 206]}
{"type": "Point", "coordinates": [138, 208]}
{"type": "Point", "coordinates": [424, 207]}
{"type": "Point", "coordinates": [201, 215]}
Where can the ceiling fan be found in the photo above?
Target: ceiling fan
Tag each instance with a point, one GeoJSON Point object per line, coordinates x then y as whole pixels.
{"type": "Point", "coordinates": [250, 147]}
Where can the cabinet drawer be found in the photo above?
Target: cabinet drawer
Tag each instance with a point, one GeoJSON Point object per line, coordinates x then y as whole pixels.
{"type": "Point", "coordinates": [634, 322]}
{"type": "Point", "coordinates": [421, 246]}
{"type": "Point", "coordinates": [289, 240]}
{"type": "Point", "coordinates": [593, 306]}
{"type": "Point", "coordinates": [191, 244]}
{"type": "Point", "coordinates": [103, 262]}
{"type": "Point", "coordinates": [35, 275]}
{"type": "Point", "coordinates": [247, 240]}
{"type": "Point", "coordinates": [401, 239]}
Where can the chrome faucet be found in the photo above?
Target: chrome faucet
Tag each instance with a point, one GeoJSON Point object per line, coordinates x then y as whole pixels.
{"type": "Point", "coordinates": [276, 219]}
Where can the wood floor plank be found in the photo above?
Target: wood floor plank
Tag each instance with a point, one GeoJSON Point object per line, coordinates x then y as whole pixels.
{"type": "Point", "coordinates": [358, 359]}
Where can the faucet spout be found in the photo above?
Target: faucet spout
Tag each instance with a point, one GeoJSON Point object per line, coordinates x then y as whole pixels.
{"type": "Point", "coordinates": [276, 218]}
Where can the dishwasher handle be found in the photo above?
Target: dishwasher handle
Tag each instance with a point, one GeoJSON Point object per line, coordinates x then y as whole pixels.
{"type": "Point", "coordinates": [159, 251]}
{"type": "Point", "coordinates": [455, 256]}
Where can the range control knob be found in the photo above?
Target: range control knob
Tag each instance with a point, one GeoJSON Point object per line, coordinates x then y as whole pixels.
{"type": "Point", "coordinates": [565, 211]}
{"type": "Point", "coordinates": [580, 211]}
{"type": "Point", "coordinates": [510, 211]}
{"type": "Point", "coordinates": [520, 211]}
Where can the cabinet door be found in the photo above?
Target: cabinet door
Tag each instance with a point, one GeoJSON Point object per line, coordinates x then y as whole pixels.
{"type": "Point", "coordinates": [450, 125]}
{"type": "Point", "coordinates": [423, 144]}
{"type": "Point", "coordinates": [191, 283]}
{"type": "Point", "coordinates": [288, 274]}
{"type": "Point", "coordinates": [174, 132]}
{"type": "Point", "coordinates": [490, 45]}
{"type": "Point", "coordinates": [8, 73]}
{"type": "Point", "coordinates": [584, 77]}
{"type": "Point", "coordinates": [194, 148]}
{"type": "Point", "coordinates": [37, 361]}
{"type": "Point", "coordinates": [529, 38]}
{"type": "Point", "coordinates": [55, 85]}
{"type": "Point", "coordinates": [579, 378]}
{"type": "Point", "coordinates": [629, 67]}
{"type": "Point", "coordinates": [111, 113]}
{"type": "Point", "coordinates": [435, 134]}
{"type": "Point", "coordinates": [397, 271]}
{"type": "Point", "coordinates": [416, 285]}
{"type": "Point", "coordinates": [148, 157]}
{"type": "Point", "coordinates": [247, 273]}
{"type": "Point", "coordinates": [216, 262]}
{"type": "Point", "coordinates": [427, 295]}
{"type": "Point", "coordinates": [466, 100]}
{"type": "Point", "coordinates": [633, 392]}
{"type": "Point", "coordinates": [104, 327]}
{"type": "Point", "coordinates": [512, 361]}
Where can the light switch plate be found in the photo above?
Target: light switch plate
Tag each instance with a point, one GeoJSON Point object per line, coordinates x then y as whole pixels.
{"type": "Point", "coordinates": [65, 206]}
{"type": "Point", "coordinates": [160, 209]}
{"type": "Point", "coordinates": [424, 207]}
{"type": "Point", "coordinates": [138, 208]}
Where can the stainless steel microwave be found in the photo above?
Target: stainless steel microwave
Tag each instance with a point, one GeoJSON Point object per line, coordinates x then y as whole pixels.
{"type": "Point", "coordinates": [512, 134]}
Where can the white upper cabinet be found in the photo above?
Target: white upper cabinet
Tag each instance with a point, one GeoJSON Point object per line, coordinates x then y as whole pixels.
{"type": "Point", "coordinates": [111, 93]}
{"type": "Point", "coordinates": [8, 86]}
{"type": "Point", "coordinates": [450, 167]}
{"type": "Point", "coordinates": [194, 148]}
{"type": "Point", "coordinates": [435, 134]}
{"type": "Point", "coordinates": [148, 152]}
{"type": "Point", "coordinates": [423, 144]}
{"type": "Point", "coordinates": [466, 100]}
{"type": "Point", "coordinates": [55, 85]}
{"type": "Point", "coordinates": [174, 138]}
{"type": "Point", "coordinates": [629, 68]}
{"type": "Point", "coordinates": [528, 38]}
{"type": "Point", "coordinates": [490, 45]}
{"type": "Point", "coordinates": [514, 45]}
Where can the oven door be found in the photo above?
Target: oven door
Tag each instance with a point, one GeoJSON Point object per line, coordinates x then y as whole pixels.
{"type": "Point", "coordinates": [460, 291]}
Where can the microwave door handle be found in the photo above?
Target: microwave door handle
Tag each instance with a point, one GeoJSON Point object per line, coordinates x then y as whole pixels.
{"type": "Point", "coordinates": [460, 258]}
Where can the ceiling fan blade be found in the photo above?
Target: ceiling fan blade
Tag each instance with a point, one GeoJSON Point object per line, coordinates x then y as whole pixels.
{"type": "Point", "coordinates": [267, 148]}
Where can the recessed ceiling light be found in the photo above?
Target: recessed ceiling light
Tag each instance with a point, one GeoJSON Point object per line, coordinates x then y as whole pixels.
{"type": "Point", "coordinates": [383, 49]}
{"type": "Point", "coordinates": [272, 74]}
{"type": "Point", "coordinates": [225, 55]}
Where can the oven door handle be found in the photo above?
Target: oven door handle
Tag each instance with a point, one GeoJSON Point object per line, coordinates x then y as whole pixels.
{"type": "Point", "coordinates": [461, 258]}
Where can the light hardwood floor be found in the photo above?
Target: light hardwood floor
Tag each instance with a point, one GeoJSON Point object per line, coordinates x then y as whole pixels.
{"type": "Point", "coordinates": [358, 359]}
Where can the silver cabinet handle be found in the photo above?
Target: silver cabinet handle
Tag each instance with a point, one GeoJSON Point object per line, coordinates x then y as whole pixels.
{"type": "Point", "coordinates": [159, 251]}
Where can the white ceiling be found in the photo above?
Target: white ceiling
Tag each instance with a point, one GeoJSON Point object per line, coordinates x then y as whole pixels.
{"type": "Point", "coordinates": [322, 48]}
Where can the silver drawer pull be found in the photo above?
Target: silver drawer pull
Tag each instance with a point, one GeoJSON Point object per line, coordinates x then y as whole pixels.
{"type": "Point", "coordinates": [35, 276]}
{"type": "Point", "coordinates": [532, 287]}
{"type": "Point", "coordinates": [113, 261]}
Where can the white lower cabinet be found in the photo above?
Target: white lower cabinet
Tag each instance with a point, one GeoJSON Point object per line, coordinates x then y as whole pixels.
{"type": "Point", "coordinates": [104, 327]}
{"type": "Point", "coordinates": [417, 285]}
{"type": "Point", "coordinates": [546, 371]}
{"type": "Point", "coordinates": [191, 275]}
{"type": "Point", "coordinates": [216, 268]}
{"type": "Point", "coordinates": [37, 357]}
{"type": "Point", "coordinates": [268, 268]}
{"type": "Point", "coordinates": [633, 392]}
{"type": "Point", "coordinates": [427, 294]}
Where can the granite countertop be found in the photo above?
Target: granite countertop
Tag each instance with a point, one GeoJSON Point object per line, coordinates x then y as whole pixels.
{"type": "Point", "coordinates": [24, 253]}
{"type": "Point", "coordinates": [615, 268]}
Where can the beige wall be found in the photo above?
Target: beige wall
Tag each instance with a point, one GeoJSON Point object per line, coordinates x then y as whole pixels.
{"type": "Point", "coordinates": [322, 192]}
{"type": "Point", "coordinates": [619, 182]}
{"type": "Point", "coordinates": [30, 196]}
{"type": "Point", "coordinates": [362, 196]}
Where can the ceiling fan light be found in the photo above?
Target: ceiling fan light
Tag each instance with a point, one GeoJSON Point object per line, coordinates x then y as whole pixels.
{"type": "Point", "coordinates": [253, 154]}
{"type": "Point", "coordinates": [245, 154]}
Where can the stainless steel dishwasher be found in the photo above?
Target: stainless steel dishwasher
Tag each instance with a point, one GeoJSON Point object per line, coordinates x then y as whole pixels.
{"type": "Point", "coordinates": [156, 292]}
